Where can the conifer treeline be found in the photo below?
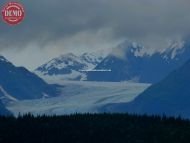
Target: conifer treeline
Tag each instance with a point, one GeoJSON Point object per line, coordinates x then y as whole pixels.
{"type": "Point", "coordinates": [94, 128]}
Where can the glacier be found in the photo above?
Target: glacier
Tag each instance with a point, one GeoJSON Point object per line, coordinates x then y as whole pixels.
{"type": "Point", "coordinates": [80, 97]}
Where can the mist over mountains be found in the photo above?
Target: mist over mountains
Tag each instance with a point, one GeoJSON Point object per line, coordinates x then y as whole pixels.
{"type": "Point", "coordinates": [129, 61]}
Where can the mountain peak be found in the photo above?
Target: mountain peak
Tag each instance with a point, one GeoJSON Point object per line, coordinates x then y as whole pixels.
{"type": "Point", "coordinates": [69, 66]}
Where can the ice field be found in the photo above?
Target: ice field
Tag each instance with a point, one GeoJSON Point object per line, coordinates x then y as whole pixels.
{"type": "Point", "coordinates": [80, 97]}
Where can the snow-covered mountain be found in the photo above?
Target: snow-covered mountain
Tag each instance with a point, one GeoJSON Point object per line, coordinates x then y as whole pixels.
{"type": "Point", "coordinates": [129, 61]}
{"type": "Point", "coordinates": [17, 83]}
{"type": "Point", "coordinates": [68, 67]}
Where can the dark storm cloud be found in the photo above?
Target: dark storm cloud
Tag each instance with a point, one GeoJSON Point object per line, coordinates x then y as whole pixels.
{"type": "Point", "coordinates": [50, 20]}
{"type": "Point", "coordinates": [141, 20]}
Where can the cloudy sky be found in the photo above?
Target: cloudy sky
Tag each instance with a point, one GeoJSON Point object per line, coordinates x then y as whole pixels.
{"type": "Point", "coordinates": [54, 27]}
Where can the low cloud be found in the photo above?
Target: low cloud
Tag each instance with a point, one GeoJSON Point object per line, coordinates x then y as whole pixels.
{"type": "Point", "coordinates": [89, 24]}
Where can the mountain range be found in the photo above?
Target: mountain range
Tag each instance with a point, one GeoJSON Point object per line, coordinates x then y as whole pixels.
{"type": "Point", "coordinates": [167, 70]}
{"type": "Point", "coordinates": [126, 62]}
